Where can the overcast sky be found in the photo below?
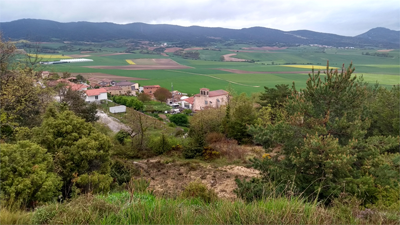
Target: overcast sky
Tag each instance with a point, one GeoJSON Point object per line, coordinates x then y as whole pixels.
{"type": "Point", "coordinates": [344, 17]}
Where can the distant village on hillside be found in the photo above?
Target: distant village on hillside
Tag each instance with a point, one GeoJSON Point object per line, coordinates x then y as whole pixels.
{"type": "Point", "coordinates": [97, 90]}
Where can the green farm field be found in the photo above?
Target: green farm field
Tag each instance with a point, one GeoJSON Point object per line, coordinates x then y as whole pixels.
{"type": "Point", "coordinates": [266, 70]}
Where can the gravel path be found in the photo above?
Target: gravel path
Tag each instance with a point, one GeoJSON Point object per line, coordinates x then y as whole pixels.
{"type": "Point", "coordinates": [114, 124]}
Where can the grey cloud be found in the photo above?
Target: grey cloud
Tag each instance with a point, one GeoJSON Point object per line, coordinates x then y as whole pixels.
{"type": "Point", "coordinates": [341, 17]}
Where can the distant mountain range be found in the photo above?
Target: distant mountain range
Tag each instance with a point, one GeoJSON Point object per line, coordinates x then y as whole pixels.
{"type": "Point", "coordinates": [46, 30]}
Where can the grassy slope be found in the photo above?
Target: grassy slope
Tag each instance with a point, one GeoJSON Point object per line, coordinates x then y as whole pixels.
{"type": "Point", "coordinates": [122, 208]}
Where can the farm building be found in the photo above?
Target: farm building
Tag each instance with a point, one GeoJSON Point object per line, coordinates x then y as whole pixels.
{"type": "Point", "coordinates": [115, 90]}
{"type": "Point", "coordinates": [128, 87]}
{"type": "Point", "coordinates": [95, 95]}
{"type": "Point", "coordinates": [118, 109]}
{"type": "Point", "coordinates": [150, 89]}
{"type": "Point", "coordinates": [208, 98]}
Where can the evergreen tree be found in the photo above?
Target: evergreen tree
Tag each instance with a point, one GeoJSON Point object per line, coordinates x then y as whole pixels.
{"type": "Point", "coordinates": [77, 147]}
{"type": "Point", "coordinates": [324, 144]}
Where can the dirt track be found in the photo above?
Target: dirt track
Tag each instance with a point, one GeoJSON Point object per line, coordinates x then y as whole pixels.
{"type": "Point", "coordinates": [111, 122]}
{"type": "Point", "coordinates": [170, 178]}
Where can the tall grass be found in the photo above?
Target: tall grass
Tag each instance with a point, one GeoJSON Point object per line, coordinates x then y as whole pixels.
{"type": "Point", "coordinates": [123, 208]}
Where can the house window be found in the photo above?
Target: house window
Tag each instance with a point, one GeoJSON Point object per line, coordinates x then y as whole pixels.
{"type": "Point", "coordinates": [206, 102]}
{"type": "Point", "coordinates": [96, 97]}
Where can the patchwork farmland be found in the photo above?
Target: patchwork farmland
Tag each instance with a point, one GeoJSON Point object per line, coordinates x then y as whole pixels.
{"type": "Point", "coordinates": [245, 68]}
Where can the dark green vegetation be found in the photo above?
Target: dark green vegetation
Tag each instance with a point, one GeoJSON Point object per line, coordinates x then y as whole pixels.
{"type": "Point", "coordinates": [45, 30]}
{"type": "Point", "coordinates": [331, 144]}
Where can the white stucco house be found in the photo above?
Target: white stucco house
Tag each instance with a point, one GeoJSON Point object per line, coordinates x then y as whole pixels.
{"type": "Point", "coordinates": [95, 95]}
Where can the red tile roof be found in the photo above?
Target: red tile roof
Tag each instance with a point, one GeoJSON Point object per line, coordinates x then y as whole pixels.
{"type": "Point", "coordinates": [77, 87]}
{"type": "Point", "coordinates": [217, 93]}
{"type": "Point", "coordinates": [94, 92]}
{"type": "Point", "coordinates": [151, 86]}
{"type": "Point", "coordinates": [189, 100]}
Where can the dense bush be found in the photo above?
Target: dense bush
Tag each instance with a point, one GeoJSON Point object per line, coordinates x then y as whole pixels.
{"type": "Point", "coordinates": [93, 183]}
{"type": "Point", "coordinates": [326, 148]}
{"type": "Point", "coordinates": [77, 147]}
{"type": "Point", "coordinates": [179, 119]}
{"type": "Point", "coordinates": [160, 145]}
{"type": "Point", "coordinates": [122, 171]}
{"type": "Point", "coordinates": [121, 135]}
{"type": "Point", "coordinates": [129, 101]}
{"type": "Point", "coordinates": [204, 122]}
{"type": "Point", "coordinates": [27, 175]}
{"type": "Point", "coordinates": [199, 190]}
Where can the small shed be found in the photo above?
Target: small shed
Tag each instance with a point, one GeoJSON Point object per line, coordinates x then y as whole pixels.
{"type": "Point", "coordinates": [118, 109]}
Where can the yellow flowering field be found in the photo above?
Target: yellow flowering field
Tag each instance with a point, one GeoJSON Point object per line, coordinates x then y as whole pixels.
{"type": "Point", "coordinates": [309, 67]}
{"type": "Point", "coordinates": [130, 62]}
{"type": "Point", "coordinates": [48, 56]}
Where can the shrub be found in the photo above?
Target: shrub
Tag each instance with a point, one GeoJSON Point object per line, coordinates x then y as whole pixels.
{"type": "Point", "coordinates": [249, 191]}
{"type": "Point", "coordinates": [230, 149]}
{"type": "Point", "coordinates": [171, 124]}
{"type": "Point", "coordinates": [198, 190]}
{"type": "Point", "coordinates": [121, 136]}
{"type": "Point", "coordinates": [179, 119]}
{"type": "Point", "coordinates": [140, 185]}
{"type": "Point", "coordinates": [26, 175]}
{"type": "Point", "coordinates": [77, 147]}
{"type": "Point", "coordinates": [209, 153]}
{"type": "Point", "coordinates": [192, 150]}
{"type": "Point", "coordinates": [179, 132]}
{"type": "Point", "coordinates": [160, 145]}
{"type": "Point", "coordinates": [122, 171]}
{"type": "Point", "coordinates": [94, 183]}
{"type": "Point", "coordinates": [214, 137]}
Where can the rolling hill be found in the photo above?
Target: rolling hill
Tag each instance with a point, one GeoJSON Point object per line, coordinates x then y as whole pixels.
{"type": "Point", "coordinates": [46, 30]}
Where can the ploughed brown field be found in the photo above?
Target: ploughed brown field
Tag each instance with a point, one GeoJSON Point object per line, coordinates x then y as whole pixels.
{"type": "Point", "coordinates": [264, 72]}
{"type": "Point", "coordinates": [228, 58]}
{"type": "Point", "coordinates": [105, 76]}
{"type": "Point", "coordinates": [171, 49]}
{"type": "Point", "coordinates": [146, 64]}
{"type": "Point", "coordinates": [193, 49]}
{"type": "Point", "coordinates": [385, 50]}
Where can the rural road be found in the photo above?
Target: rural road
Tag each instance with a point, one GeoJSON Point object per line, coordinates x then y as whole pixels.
{"type": "Point", "coordinates": [111, 122]}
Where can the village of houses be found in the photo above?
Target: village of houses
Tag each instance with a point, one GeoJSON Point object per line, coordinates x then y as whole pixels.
{"type": "Point", "coordinates": [98, 90]}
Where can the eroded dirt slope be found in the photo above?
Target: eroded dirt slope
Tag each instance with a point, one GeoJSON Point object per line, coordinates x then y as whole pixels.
{"type": "Point", "coordinates": [170, 178]}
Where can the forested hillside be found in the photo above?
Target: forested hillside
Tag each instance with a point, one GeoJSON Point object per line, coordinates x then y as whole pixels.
{"type": "Point", "coordinates": [45, 30]}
